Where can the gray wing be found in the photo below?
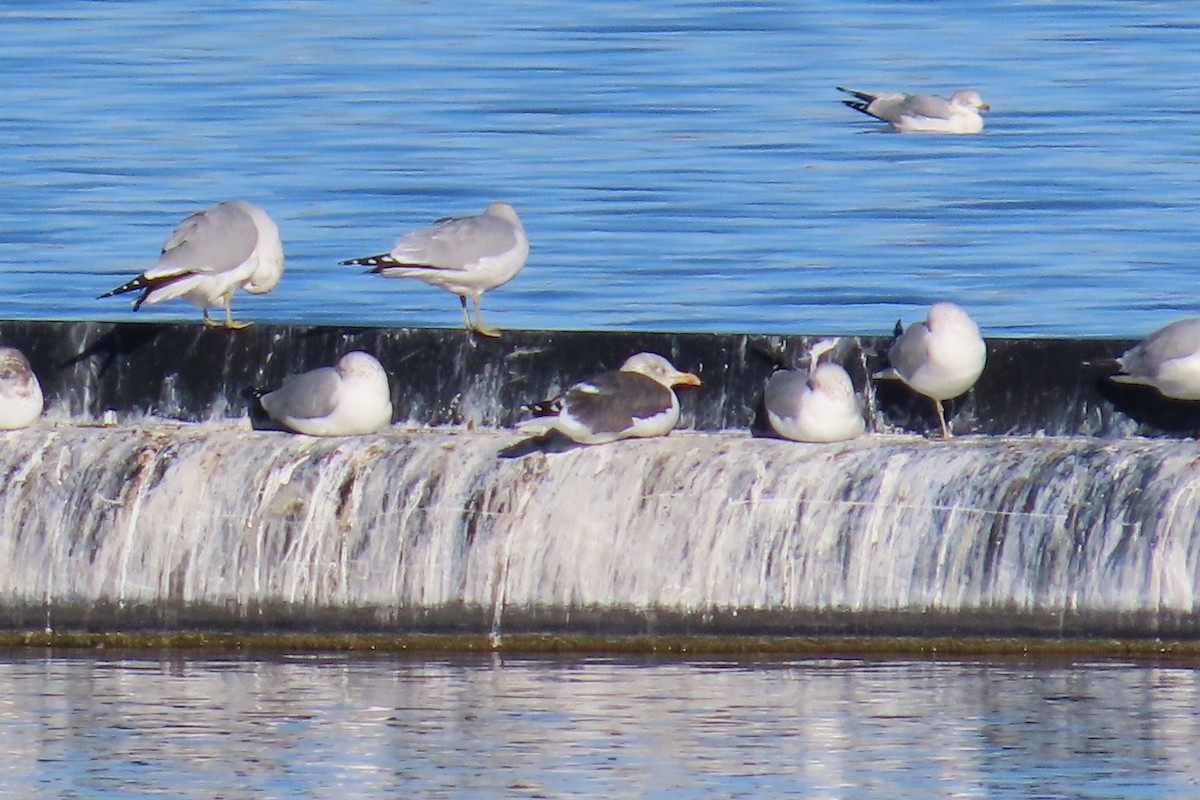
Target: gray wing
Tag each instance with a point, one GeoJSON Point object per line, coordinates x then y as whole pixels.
{"type": "Point", "coordinates": [925, 105]}
{"type": "Point", "coordinates": [456, 243]}
{"type": "Point", "coordinates": [305, 396]}
{"type": "Point", "coordinates": [213, 240]}
{"type": "Point", "coordinates": [609, 403]}
{"type": "Point", "coordinates": [784, 387]}
{"type": "Point", "coordinates": [908, 352]}
{"type": "Point", "coordinates": [1177, 340]}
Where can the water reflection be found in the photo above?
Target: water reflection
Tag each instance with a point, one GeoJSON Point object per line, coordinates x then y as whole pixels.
{"type": "Point", "coordinates": [370, 727]}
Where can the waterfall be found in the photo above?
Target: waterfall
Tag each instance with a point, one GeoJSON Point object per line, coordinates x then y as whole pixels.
{"type": "Point", "coordinates": [427, 528]}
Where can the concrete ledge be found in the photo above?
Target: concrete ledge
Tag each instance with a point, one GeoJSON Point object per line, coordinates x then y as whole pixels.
{"type": "Point", "coordinates": [439, 377]}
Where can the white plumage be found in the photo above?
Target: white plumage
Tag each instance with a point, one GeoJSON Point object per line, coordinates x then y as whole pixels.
{"type": "Point", "coordinates": [351, 398]}
{"type": "Point", "coordinates": [464, 255]}
{"type": "Point", "coordinates": [940, 358]}
{"type": "Point", "coordinates": [209, 256]}
{"type": "Point", "coordinates": [633, 402]}
{"type": "Point", "coordinates": [922, 113]}
{"type": "Point", "coordinates": [21, 399]}
{"type": "Point", "coordinates": [1168, 360]}
{"type": "Point", "coordinates": [820, 406]}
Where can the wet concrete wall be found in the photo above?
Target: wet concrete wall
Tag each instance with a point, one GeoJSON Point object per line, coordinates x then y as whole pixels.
{"type": "Point", "coordinates": [1056, 519]}
{"type": "Point", "coordinates": [1030, 386]}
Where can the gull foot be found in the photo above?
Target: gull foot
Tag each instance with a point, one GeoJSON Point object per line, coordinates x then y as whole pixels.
{"type": "Point", "coordinates": [483, 330]}
{"type": "Point", "coordinates": [231, 325]}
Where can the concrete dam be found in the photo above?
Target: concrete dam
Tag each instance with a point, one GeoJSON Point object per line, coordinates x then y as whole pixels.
{"type": "Point", "coordinates": [150, 496]}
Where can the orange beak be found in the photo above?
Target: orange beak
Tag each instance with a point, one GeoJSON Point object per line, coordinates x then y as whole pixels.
{"type": "Point", "coordinates": [685, 379]}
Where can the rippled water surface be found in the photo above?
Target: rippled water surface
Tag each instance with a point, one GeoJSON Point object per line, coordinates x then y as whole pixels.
{"type": "Point", "coordinates": [679, 165]}
{"type": "Point", "coordinates": [181, 727]}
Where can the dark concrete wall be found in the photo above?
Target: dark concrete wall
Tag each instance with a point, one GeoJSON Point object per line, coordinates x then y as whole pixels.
{"type": "Point", "coordinates": [447, 376]}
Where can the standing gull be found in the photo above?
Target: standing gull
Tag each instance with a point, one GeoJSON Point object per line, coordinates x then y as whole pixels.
{"type": "Point", "coordinates": [464, 255]}
{"type": "Point", "coordinates": [817, 406]}
{"type": "Point", "coordinates": [1168, 360]}
{"type": "Point", "coordinates": [635, 401]}
{"type": "Point", "coordinates": [20, 393]}
{"type": "Point", "coordinates": [351, 398]}
{"type": "Point", "coordinates": [940, 358]}
{"type": "Point", "coordinates": [208, 256]}
{"type": "Point", "coordinates": [926, 113]}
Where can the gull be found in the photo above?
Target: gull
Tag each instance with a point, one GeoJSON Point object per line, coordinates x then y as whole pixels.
{"type": "Point", "coordinates": [464, 255]}
{"type": "Point", "coordinates": [940, 358]}
{"type": "Point", "coordinates": [922, 112]}
{"type": "Point", "coordinates": [351, 398]}
{"type": "Point", "coordinates": [816, 406]}
{"type": "Point", "coordinates": [209, 256]}
{"type": "Point", "coordinates": [1168, 360]}
{"type": "Point", "coordinates": [638, 400]}
{"type": "Point", "coordinates": [20, 393]}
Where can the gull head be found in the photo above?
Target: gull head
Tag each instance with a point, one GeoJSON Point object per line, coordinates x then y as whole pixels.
{"type": "Point", "coordinates": [659, 370]}
{"type": "Point", "coordinates": [357, 364]}
{"type": "Point", "coordinates": [832, 380]}
{"type": "Point", "coordinates": [969, 98]}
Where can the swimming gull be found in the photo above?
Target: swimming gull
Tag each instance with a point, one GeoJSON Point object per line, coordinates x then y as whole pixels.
{"type": "Point", "coordinates": [924, 113]}
{"type": "Point", "coordinates": [464, 255]}
{"type": "Point", "coordinates": [940, 358]}
{"type": "Point", "coordinates": [209, 256]}
{"type": "Point", "coordinates": [816, 406]}
{"type": "Point", "coordinates": [20, 393]}
{"type": "Point", "coordinates": [351, 398]}
{"type": "Point", "coordinates": [1168, 360]}
{"type": "Point", "coordinates": [638, 400]}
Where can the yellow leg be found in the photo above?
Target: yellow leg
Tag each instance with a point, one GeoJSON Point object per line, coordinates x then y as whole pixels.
{"type": "Point", "coordinates": [946, 434]}
{"type": "Point", "coordinates": [480, 328]}
{"type": "Point", "coordinates": [229, 323]}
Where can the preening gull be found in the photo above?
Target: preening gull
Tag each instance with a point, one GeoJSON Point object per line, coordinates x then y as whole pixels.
{"type": "Point", "coordinates": [924, 113]}
{"type": "Point", "coordinates": [635, 401]}
{"type": "Point", "coordinates": [464, 255]}
{"type": "Point", "coordinates": [1168, 360]}
{"type": "Point", "coordinates": [940, 358]}
{"type": "Point", "coordinates": [351, 398]}
{"type": "Point", "coordinates": [209, 256]}
{"type": "Point", "coordinates": [817, 406]}
{"type": "Point", "coordinates": [20, 393]}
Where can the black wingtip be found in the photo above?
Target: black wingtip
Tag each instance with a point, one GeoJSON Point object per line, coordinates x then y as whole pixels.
{"type": "Point", "coordinates": [544, 408]}
{"type": "Point", "coordinates": [865, 97]}
{"type": "Point", "coordinates": [141, 298]}
{"type": "Point", "coordinates": [773, 352]}
{"type": "Point", "coordinates": [129, 286]}
{"type": "Point", "coordinates": [376, 262]}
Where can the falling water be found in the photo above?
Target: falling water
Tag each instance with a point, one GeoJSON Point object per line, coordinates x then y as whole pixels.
{"type": "Point", "coordinates": [429, 529]}
{"type": "Point", "coordinates": [1066, 504]}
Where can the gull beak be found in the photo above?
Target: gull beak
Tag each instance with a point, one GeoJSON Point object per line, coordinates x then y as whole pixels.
{"type": "Point", "coordinates": [685, 379]}
{"type": "Point", "coordinates": [984, 107]}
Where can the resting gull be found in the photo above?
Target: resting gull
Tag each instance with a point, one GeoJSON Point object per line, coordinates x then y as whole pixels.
{"type": "Point", "coordinates": [817, 406]}
{"type": "Point", "coordinates": [940, 358]}
{"type": "Point", "coordinates": [20, 392]}
{"type": "Point", "coordinates": [635, 401]}
{"type": "Point", "coordinates": [351, 398]}
{"type": "Point", "coordinates": [924, 113]}
{"type": "Point", "coordinates": [1168, 360]}
{"type": "Point", "coordinates": [464, 255]}
{"type": "Point", "coordinates": [208, 256]}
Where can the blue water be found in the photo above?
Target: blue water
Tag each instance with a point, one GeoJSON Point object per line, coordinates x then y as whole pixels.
{"type": "Point", "coordinates": [321, 727]}
{"type": "Point", "coordinates": [679, 165]}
